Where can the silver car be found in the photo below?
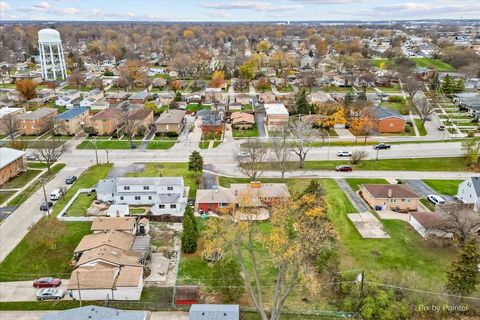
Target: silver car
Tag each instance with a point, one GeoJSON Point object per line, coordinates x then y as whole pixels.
{"type": "Point", "coordinates": [50, 294]}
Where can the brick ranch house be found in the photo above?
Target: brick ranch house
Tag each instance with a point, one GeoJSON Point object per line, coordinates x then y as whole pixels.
{"type": "Point", "coordinates": [395, 197]}
{"type": "Point", "coordinates": [12, 163]}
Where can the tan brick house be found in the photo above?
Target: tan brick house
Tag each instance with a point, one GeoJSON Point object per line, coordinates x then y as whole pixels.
{"type": "Point", "coordinates": [12, 163]}
{"type": "Point", "coordinates": [171, 121]}
{"type": "Point", "coordinates": [142, 119]}
{"type": "Point", "coordinates": [70, 122]}
{"type": "Point", "coordinates": [36, 122]}
{"type": "Point", "coordinates": [106, 121]}
{"type": "Point", "coordinates": [396, 197]}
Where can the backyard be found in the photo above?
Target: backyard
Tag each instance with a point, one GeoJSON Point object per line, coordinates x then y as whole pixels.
{"type": "Point", "coordinates": [431, 63]}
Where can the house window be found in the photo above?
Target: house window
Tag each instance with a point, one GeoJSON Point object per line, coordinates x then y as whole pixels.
{"type": "Point", "coordinates": [393, 200]}
{"type": "Point", "coordinates": [121, 198]}
{"type": "Point", "coordinates": [169, 188]}
{"type": "Point", "coordinates": [149, 197]}
{"type": "Point", "coordinates": [173, 206]}
{"type": "Point", "coordinates": [126, 188]}
{"type": "Point", "coordinates": [161, 206]}
{"type": "Point", "coordinates": [146, 188]}
{"type": "Point", "coordinates": [137, 197]}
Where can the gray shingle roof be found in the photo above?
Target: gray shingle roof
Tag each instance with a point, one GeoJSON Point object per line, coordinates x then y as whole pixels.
{"type": "Point", "coordinates": [37, 114]}
{"type": "Point", "coordinates": [214, 312]}
{"type": "Point", "coordinates": [8, 155]}
{"type": "Point", "coordinates": [150, 181]}
{"type": "Point", "coordinates": [476, 184]}
{"type": "Point", "coordinates": [71, 114]}
{"type": "Point", "coordinates": [382, 113]}
{"type": "Point", "coordinates": [96, 313]}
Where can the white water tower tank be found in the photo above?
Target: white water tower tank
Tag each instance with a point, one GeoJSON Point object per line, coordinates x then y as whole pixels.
{"type": "Point", "coordinates": [52, 59]}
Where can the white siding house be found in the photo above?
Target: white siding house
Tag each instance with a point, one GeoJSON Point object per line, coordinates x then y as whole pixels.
{"type": "Point", "coordinates": [469, 191]}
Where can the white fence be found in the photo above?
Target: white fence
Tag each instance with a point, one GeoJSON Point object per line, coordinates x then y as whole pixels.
{"type": "Point", "coordinates": [61, 216]}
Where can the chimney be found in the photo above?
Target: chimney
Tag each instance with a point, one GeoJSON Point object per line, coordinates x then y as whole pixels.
{"type": "Point", "coordinates": [390, 193]}
{"type": "Point", "coordinates": [118, 213]}
{"type": "Point", "coordinates": [255, 184]}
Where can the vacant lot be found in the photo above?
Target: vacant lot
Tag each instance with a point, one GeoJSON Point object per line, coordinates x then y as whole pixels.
{"type": "Point", "coordinates": [446, 187]}
{"type": "Point", "coordinates": [430, 63]}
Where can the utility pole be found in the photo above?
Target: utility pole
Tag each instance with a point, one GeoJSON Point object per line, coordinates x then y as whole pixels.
{"type": "Point", "coordinates": [45, 197]}
{"type": "Point", "coordinates": [376, 159]}
{"type": "Point", "coordinates": [78, 288]}
{"type": "Point", "coordinates": [96, 151]}
{"type": "Point", "coordinates": [107, 156]}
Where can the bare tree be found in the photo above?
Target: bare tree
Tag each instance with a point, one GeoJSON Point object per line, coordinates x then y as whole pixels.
{"type": "Point", "coordinates": [424, 108]}
{"type": "Point", "coordinates": [8, 125]}
{"type": "Point", "coordinates": [281, 151]}
{"type": "Point", "coordinates": [303, 135]}
{"type": "Point", "coordinates": [460, 219]}
{"type": "Point", "coordinates": [251, 160]}
{"type": "Point", "coordinates": [130, 124]}
{"type": "Point", "coordinates": [50, 151]}
{"type": "Point", "coordinates": [412, 86]}
{"type": "Point", "coordinates": [358, 155]}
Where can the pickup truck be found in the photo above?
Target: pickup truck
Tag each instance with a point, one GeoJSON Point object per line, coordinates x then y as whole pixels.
{"type": "Point", "coordinates": [381, 146]}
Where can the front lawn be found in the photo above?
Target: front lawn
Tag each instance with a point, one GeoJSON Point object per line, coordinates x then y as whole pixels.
{"type": "Point", "coordinates": [156, 144]}
{"type": "Point", "coordinates": [170, 169]}
{"type": "Point", "coordinates": [25, 262]}
{"type": "Point", "coordinates": [106, 144]}
{"type": "Point", "coordinates": [446, 187]}
{"type": "Point", "coordinates": [80, 205]}
{"type": "Point", "coordinates": [4, 195]}
{"type": "Point", "coordinates": [21, 180]}
{"type": "Point", "coordinates": [429, 205]}
{"type": "Point", "coordinates": [253, 132]}
{"type": "Point", "coordinates": [194, 107]}
{"type": "Point", "coordinates": [355, 183]}
{"type": "Point", "coordinates": [430, 63]}
{"type": "Point", "coordinates": [421, 127]}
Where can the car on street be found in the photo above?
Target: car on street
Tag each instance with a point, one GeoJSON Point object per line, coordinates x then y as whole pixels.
{"type": "Point", "coordinates": [343, 168]}
{"type": "Point", "coordinates": [46, 282]}
{"type": "Point", "coordinates": [441, 128]}
{"type": "Point", "coordinates": [71, 180]}
{"type": "Point", "coordinates": [44, 207]}
{"type": "Point", "coordinates": [31, 156]}
{"type": "Point", "coordinates": [243, 153]}
{"type": "Point", "coordinates": [435, 199]}
{"type": "Point", "coordinates": [56, 194]}
{"type": "Point", "coordinates": [50, 294]}
{"type": "Point", "coordinates": [381, 146]}
{"type": "Point", "coordinates": [344, 154]}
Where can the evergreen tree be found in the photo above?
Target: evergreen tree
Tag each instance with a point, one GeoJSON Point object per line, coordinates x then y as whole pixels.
{"type": "Point", "coordinates": [448, 85]}
{"type": "Point", "coordinates": [459, 86]}
{"type": "Point", "coordinates": [301, 103]}
{"type": "Point", "coordinates": [189, 212]}
{"type": "Point", "coordinates": [464, 275]}
{"type": "Point", "coordinates": [195, 162]}
{"type": "Point", "coordinates": [348, 99]}
{"type": "Point", "coordinates": [226, 277]}
{"type": "Point", "coordinates": [189, 236]}
{"type": "Point", "coordinates": [435, 83]}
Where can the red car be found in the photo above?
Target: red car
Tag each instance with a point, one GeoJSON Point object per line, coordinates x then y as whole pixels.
{"type": "Point", "coordinates": [343, 168]}
{"type": "Point", "coordinates": [46, 282]}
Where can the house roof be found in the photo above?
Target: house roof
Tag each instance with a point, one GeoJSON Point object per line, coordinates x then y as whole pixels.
{"type": "Point", "coordinates": [171, 116]}
{"type": "Point", "coordinates": [71, 114]}
{"type": "Point", "coordinates": [139, 113]}
{"type": "Point", "coordinates": [384, 113]}
{"type": "Point", "coordinates": [115, 239]}
{"type": "Point", "coordinates": [429, 220]}
{"type": "Point", "coordinates": [263, 190]}
{"type": "Point", "coordinates": [138, 96]}
{"type": "Point", "coordinates": [214, 312]}
{"type": "Point", "coordinates": [214, 196]}
{"type": "Point", "coordinates": [398, 191]}
{"type": "Point", "coordinates": [95, 313]}
{"type": "Point", "coordinates": [157, 181]}
{"type": "Point", "coordinates": [111, 255]}
{"type": "Point", "coordinates": [129, 276]}
{"type": "Point", "coordinates": [117, 95]}
{"type": "Point", "coordinates": [242, 117]}
{"type": "Point", "coordinates": [275, 109]}
{"type": "Point", "coordinates": [107, 114]}
{"type": "Point", "coordinates": [7, 110]}
{"type": "Point", "coordinates": [113, 223]}
{"type": "Point", "coordinates": [38, 114]}
{"type": "Point", "coordinates": [476, 184]}
{"type": "Point", "coordinates": [99, 276]}
{"type": "Point", "coordinates": [8, 155]}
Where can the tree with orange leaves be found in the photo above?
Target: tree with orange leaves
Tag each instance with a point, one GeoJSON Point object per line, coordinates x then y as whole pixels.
{"type": "Point", "coordinates": [27, 87]}
{"type": "Point", "coordinates": [363, 124]}
{"type": "Point", "coordinates": [218, 79]}
{"type": "Point", "coordinates": [176, 85]}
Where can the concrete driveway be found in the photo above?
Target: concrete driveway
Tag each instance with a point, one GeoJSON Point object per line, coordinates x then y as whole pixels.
{"type": "Point", "coordinates": [423, 189]}
{"type": "Point", "coordinates": [23, 291]}
{"type": "Point", "coordinates": [354, 197]}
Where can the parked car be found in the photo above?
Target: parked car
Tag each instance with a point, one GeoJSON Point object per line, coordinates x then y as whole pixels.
{"type": "Point", "coordinates": [46, 282]}
{"type": "Point", "coordinates": [343, 168]}
{"type": "Point", "coordinates": [56, 194]}
{"type": "Point", "coordinates": [31, 156]}
{"type": "Point", "coordinates": [50, 294]}
{"type": "Point", "coordinates": [344, 154]}
{"type": "Point", "coordinates": [44, 207]}
{"type": "Point", "coordinates": [435, 199]}
{"type": "Point", "coordinates": [441, 128]}
{"type": "Point", "coordinates": [381, 146]}
{"type": "Point", "coordinates": [71, 180]}
{"type": "Point", "coordinates": [243, 154]}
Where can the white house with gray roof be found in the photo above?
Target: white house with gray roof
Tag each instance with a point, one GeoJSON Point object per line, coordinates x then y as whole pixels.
{"type": "Point", "coordinates": [165, 195]}
{"type": "Point", "coordinates": [469, 191]}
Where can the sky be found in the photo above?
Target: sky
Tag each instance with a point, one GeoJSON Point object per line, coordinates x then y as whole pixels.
{"type": "Point", "coordinates": [237, 10]}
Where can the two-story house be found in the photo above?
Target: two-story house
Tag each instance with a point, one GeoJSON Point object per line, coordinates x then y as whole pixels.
{"type": "Point", "coordinates": [164, 195]}
{"type": "Point", "coordinates": [469, 191]}
{"type": "Point", "coordinates": [70, 122]}
{"type": "Point", "coordinates": [36, 122]}
{"type": "Point", "coordinates": [106, 121]}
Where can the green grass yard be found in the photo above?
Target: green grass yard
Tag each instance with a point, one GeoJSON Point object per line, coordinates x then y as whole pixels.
{"type": "Point", "coordinates": [21, 180]}
{"type": "Point", "coordinates": [156, 144]}
{"type": "Point", "coordinates": [106, 144]}
{"type": "Point", "coordinates": [80, 205]}
{"type": "Point", "coordinates": [421, 127]}
{"type": "Point", "coordinates": [430, 63]}
{"type": "Point", "coordinates": [446, 187]}
{"type": "Point", "coordinates": [246, 133]}
{"type": "Point", "coordinates": [194, 107]}
{"type": "Point", "coordinates": [4, 195]}
{"type": "Point", "coordinates": [355, 183]}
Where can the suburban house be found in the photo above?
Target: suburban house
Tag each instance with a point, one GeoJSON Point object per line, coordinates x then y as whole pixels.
{"type": "Point", "coordinates": [213, 94]}
{"type": "Point", "coordinates": [36, 122]}
{"type": "Point", "coordinates": [97, 313]}
{"type": "Point", "coordinates": [12, 163]}
{"type": "Point", "coordinates": [429, 224]}
{"type": "Point", "coordinates": [91, 97]}
{"type": "Point", "coordinates": [212, 120]}
{"type": "Point", "coordinates": [138, 98]}
{"type": "Point", "coordinates": [469, 101]}
{"type": "Point", "coordinates": [214, 311]}
{"type": "Point", "coordinates": [141, 119]}
{"type": "Point", "coordinates": [242, 120]}
{"type": "Point", "coordinates": [70, 122]}
{"type": "Point", "coordinates": [166, 196]}
{"type": "Point", "coordinates": [276, 115]}
{"type": "Point", "coordinates": [165, 98]}
{"type": "Point", "coordinates": [258, 194]}
{"type": "Point", "coordinates": [124, 224]}
{"type": "Point", "coordinates": [469, 191]}
{"type": "Point", "coordinates": [114, 239]}
{"type": "Point", "coordinates": [171, 121]}
{"type": "Point", "coordinates": [395, 197]}
{"type": "Point", "coordinates": [116, 97]}
{"type": "Point", "coordinates": [243, 98]}
{"type": "Point", "coordinates": [67, 98]}
{"type": "Point", "coordinates": [107, 121]}
{"type": "Point", "coordinates": [101, 104]}
{"type": "Point", "coordinates": [8, 118]}
{"type": "Point", "coordinates": [36, 102]}
{"type": "Point", "coordinates": [387, 121]}
{"type": "Point", "coordinates": [267, 97]}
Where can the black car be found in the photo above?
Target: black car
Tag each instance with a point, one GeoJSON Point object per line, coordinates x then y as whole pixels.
{"type": "Point", "coordinates": [71, 180]}
{"type": "Point", "coordinates": [382, 146]}
{"type": "Point", "coordinates": [43, 206]}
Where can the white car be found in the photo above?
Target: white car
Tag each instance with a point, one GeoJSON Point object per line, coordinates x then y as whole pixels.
{"type": "Point", "coordinates": [243, 154]}
{"type": "Point", "coordinates": [50, 294]}
{"type": "Point", "coordinates": [344, 154]}
{"type": "Point", "coordinates": [433, 198]}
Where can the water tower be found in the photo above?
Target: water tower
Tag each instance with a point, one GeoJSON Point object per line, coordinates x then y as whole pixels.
{"type": "Point", "coordinates": [51, 55]}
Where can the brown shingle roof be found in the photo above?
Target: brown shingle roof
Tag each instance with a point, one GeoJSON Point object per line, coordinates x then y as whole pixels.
{"type": "Point", "coordinates": [100, 276]}
{"type": "Point", "coordinates": [129, 277]}
{"type": "Point", "coordinates": [429, 220]}
{"type": "Point", "coordinates": [140, 113]}
{"type": "Point", "coordinates": [108, 254]}
{"type": "Point", "coordinates": [107, 114]}
{"type": "Point", "coordinates": [242, 117]}
{"type": "Point", "coordinates": [113, 223]}
{"type": "Point", "coordinates": [114, 239]}
{"type": "Point", "coordinates": [398, 191]}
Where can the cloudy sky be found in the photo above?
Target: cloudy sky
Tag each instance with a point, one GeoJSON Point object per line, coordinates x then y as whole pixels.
{"type": "Point", "coordinates": [236, 10]}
